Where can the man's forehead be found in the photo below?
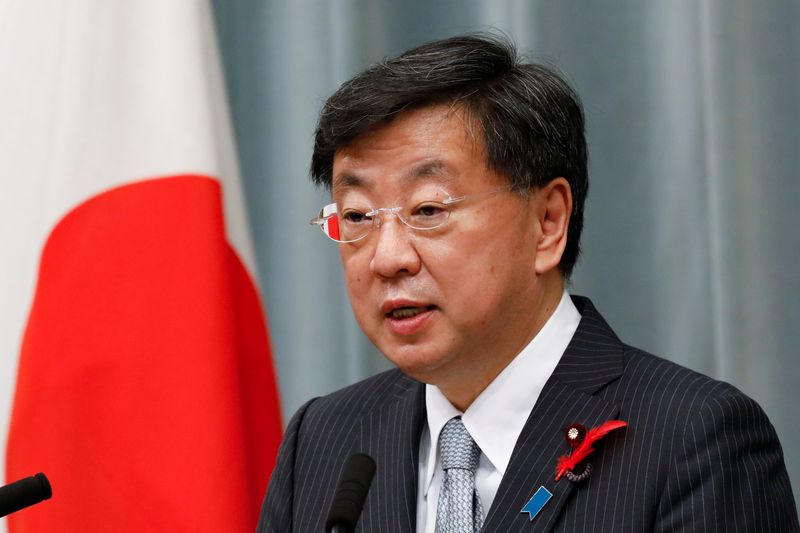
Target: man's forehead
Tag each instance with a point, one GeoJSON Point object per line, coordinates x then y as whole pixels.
{"type": "Point", "coordinates": [434, 169]}
{"type": "Point", "coordinates": [429, 144]}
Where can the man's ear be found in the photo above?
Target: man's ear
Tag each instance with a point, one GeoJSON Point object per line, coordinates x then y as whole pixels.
{"type": "Point", "coordinates": [553, 210]}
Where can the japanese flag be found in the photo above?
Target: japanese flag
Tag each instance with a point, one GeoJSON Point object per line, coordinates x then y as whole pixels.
{"type": "Point", "coordinates": [133, 339]}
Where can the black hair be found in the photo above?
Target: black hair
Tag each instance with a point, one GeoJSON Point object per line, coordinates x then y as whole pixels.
{"type": "Point", "coordinates": [531, 120]}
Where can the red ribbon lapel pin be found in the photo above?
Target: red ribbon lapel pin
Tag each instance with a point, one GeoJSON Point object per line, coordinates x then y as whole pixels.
{"type": "Point", "coordinates": [581, 440]}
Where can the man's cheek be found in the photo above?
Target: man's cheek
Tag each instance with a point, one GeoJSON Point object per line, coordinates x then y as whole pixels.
{"type": "Point", "coordinates": [356, 278]}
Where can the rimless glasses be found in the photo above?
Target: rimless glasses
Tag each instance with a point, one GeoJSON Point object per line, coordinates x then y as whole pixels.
{"type": "Point", "coordinates": [351, 223]}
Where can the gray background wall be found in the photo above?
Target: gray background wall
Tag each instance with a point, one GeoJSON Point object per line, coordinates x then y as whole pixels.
{"type": "Point", "coordinates": [691, 244]}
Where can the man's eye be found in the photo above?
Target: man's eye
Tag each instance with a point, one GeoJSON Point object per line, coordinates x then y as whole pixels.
{"type": "Point", "coordinates": [429, 210]}
{"type": "Point", "coordinates": [351, 216]}
{"type": "Point", "coordinates": [428, 215]}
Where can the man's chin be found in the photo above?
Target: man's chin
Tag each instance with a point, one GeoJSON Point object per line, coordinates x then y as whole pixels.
{"type": "Point", "coordinates": [420, 367]}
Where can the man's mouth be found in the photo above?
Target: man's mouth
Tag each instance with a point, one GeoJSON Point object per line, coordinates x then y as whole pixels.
{"type": "Point", "coordinates": [408, 312]}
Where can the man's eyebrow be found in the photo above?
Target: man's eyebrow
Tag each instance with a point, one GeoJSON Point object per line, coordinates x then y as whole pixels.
{"type": "Point", "coordinates": [347, 181]}
{"type": "Point", "coordinates": [429, 169]}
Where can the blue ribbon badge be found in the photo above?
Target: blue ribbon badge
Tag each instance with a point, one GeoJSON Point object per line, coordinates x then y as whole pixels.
{"type": "Point", "coordinates": [536, 503]}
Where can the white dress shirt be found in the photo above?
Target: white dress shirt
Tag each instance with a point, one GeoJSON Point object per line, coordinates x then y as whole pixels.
{"type": "Point", "coordinates": [496, 417]}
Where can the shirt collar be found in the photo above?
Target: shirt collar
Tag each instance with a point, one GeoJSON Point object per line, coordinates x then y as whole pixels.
{"type": "Point", "coordinates": [496, 417]}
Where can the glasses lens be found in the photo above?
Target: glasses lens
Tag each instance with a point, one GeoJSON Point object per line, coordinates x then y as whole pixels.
{"type": "Point", "coordinates": [350, 225]}
{"type": "Point", "coordinates": [427, 215]}
{"type": "Point", "coordinates": [328, 221]}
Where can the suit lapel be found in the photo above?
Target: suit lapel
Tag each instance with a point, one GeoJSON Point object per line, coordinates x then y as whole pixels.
{"type": "Point", "coordinates": [534, 459]}
{"type": "Point", "coordinates": [391, 436]}
{"type": "Point", "coordinates": [591, 361]}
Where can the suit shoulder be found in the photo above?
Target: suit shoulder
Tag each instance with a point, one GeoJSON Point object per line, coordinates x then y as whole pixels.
{"type": "Point", "coordinates": [653, 380]}
{"type": "Point", "coordinates": [708, 448]}
{"type": "Point", "coordinates": [349, 403]}
{"type": "Point", "coordinates": [597, 355]}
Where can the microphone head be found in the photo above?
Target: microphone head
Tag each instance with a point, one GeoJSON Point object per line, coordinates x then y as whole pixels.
{"type": "Point", "coordinates": [359, 469]}
{"type": "Point", "coordinates": [45, 490]}
{"type": "Point", "coordinates": [25, 492]}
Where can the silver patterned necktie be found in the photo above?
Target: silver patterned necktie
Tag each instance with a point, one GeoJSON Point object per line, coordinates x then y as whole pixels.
{"type": "Point", "coordinates": [459, 508]}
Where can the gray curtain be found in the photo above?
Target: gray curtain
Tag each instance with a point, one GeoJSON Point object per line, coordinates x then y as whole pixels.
{"type": "Point", "coordinates": [691, 244]}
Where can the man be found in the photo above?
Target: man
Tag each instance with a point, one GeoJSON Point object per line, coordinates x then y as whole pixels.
{"type": "Point", "coordinates": [458, 177]}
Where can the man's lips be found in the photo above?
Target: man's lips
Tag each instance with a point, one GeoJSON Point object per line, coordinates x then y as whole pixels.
{"type": "Point", "coordinates": [408, 312]}
{"type": "Point", "coordinates": [404, 313]}
{"type": "Point", "coordinates": [407, 318]}
{"type": "Point", "coordinates": [405, 309]}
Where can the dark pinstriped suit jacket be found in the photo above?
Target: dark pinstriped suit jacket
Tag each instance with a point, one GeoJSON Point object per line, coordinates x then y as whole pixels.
{"type": "Point", "coordinates": [697, 455]}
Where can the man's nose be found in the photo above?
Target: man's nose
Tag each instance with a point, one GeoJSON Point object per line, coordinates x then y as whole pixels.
{"type": "Point", "coordinates": [395, 253]}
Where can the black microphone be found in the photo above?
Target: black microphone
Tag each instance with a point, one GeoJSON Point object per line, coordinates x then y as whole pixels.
{"type": "Point", "coordinates": [23, 493]}
{"type": "Point", "coordinates": [359, 469]}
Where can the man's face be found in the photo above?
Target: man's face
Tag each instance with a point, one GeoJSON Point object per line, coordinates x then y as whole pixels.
{"type": "Point", "coordinates": [452, 304]}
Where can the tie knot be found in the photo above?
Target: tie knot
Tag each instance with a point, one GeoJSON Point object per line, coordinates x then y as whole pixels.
{"type": "Point", "coordinates": [458, 448]}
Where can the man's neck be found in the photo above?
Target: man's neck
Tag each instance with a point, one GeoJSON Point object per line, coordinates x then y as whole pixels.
{"type": "Point", "coordinates": [463, 389]}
